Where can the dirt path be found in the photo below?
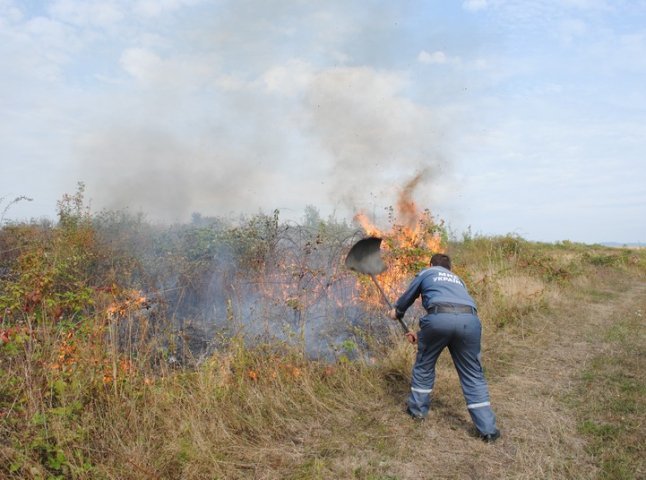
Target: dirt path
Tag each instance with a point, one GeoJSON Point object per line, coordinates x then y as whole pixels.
{"type": "Point", "coordinates": [534, 374]}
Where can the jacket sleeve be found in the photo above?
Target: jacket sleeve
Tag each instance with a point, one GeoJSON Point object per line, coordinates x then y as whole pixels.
{"type": "Point", "coordinates": [408, 297]}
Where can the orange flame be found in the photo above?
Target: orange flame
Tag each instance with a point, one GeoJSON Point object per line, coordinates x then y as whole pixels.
{"type": "Point", "coordinates": [411, 227]}
{"type": "Point", "coordinates": [368, 227]}
{"type": "Point", "coordinates": [413, 235]}
{"type": "Point", "coordinates": [128, 301]}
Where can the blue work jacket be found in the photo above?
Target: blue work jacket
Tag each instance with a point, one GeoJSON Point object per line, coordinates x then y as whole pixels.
{"type": "Point", "coordinates": [437, 286]}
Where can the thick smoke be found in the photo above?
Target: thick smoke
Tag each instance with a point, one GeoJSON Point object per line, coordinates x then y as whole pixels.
{"type": "Point", "coordinates": [377, 138]}
{"type": "Point", "coordinates": [222, 133]}
{"type": "Point", "coordinates": [153, 172]}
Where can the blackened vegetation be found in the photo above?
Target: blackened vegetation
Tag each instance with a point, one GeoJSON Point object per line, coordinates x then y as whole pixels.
{"type": "Point", "coordinates": [257, 276]}
{"type": "Point", "coordinates": [192, 286]}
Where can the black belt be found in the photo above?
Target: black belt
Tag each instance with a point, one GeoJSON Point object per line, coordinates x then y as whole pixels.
{"type": "Point", "coordinates": [451, 309]}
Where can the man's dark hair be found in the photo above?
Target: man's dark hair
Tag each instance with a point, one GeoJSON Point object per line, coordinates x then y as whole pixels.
{"type": "Point", "coordinates": [441, 260]}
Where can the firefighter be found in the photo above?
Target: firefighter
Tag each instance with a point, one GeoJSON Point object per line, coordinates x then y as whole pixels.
{"type": "Point", "coordinates": [451, 321]}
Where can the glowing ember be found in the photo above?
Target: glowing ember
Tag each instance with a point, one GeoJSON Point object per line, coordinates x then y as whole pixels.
{"type": "Point", "coordinates": [131, 300]}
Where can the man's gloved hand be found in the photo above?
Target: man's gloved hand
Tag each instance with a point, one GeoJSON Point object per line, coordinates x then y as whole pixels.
{"type": "Point", "coordinates": [411, 337]}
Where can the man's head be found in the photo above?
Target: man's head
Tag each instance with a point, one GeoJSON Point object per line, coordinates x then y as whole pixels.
{"type": "Point", "coordinates": [441, 260]}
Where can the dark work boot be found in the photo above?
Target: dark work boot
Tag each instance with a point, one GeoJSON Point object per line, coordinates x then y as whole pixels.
{"type": "Point", "coordinates": [490, 437]}
{"type": "Point", "coordinates": [417, 418]}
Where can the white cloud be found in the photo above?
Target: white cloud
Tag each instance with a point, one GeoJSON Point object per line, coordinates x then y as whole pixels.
{"type": "Point", "coordinates": [177, 71]}
{"type": "Point", "coordinates": [571, 29]}
{"type": "Point", "coordinates": [435, 57]}
{"type": "Point", "coordinates": [9, 11]}
{"type": "Point", "coordinates": [34, 50]}
{"type": "Point", "coordinates": [230, 83]}
{"type": "Point", "coordinates": [50, 34]}
{"type": "Point", "coordinates": [288, 79]}
{"type": "Point", "coordinates": [588, 4]}
{"type": "Point", "coordinates": [474, 5]}
{"type": "Point", "coordinates": [438, 57]}
{"type": "Point", "coordinates": [142, 64]}
{"type": "Point", "coordinates": [87, 13]}
{"type": "Point", "coordinates": [153, 8]}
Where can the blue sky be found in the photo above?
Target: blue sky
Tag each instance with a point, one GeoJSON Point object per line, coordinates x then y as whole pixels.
{"type": "Point", "coordinates": [525, 117]}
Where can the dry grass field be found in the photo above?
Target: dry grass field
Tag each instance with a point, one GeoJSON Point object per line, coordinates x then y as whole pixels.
{"type": "Point", "coordinates": [563, 350]}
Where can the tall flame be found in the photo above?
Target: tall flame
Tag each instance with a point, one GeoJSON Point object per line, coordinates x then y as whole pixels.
{"type": "Point", "coordinates": [411, 228]}
{"type": "Point", "coordinates": [367, 226]}
{"type": "Point", "coordinates": [414, 236]}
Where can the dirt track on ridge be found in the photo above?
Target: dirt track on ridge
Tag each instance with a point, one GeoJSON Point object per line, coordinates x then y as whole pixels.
{"type": "Point", "coordinates": [533, 373]}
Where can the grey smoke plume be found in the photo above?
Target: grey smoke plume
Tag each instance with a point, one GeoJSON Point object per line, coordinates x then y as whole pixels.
{"type": "Point", "coordinates": [378, 139]}
{"type": "Point", "coordinates": [218, 134]}
{"type": "Point", "coordinates": [158, 174]}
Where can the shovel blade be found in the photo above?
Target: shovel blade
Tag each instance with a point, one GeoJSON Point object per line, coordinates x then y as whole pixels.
{"type": "Point", "coordinates": [365, 257]}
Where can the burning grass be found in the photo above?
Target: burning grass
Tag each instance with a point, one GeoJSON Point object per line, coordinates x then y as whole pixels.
{"type": "Point", "coordinates": [108, 369]}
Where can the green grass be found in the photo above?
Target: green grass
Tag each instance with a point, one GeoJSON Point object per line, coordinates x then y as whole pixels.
{"type": "Point", "coordinates": [601, 296]}
{"type": "Point", "coordinates": [612, 400]}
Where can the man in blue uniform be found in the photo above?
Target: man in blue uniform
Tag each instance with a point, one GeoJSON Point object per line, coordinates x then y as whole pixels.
{"type": "Point", "coordinates": [451, 321]}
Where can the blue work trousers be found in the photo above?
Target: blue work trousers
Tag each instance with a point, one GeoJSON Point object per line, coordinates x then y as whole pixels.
{"type": "Point", "coordinates": [461, 333]}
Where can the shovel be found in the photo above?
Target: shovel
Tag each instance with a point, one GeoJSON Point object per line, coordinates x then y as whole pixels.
{"type": "Point", "coordinates": [365, 257]}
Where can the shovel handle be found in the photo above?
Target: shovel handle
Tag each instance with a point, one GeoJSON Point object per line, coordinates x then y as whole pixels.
{"type": "Point", "coordinates": [385, 298]}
